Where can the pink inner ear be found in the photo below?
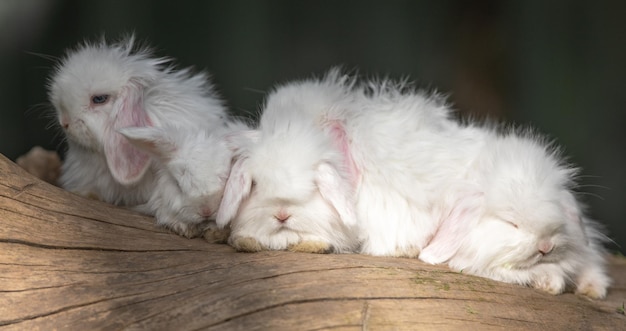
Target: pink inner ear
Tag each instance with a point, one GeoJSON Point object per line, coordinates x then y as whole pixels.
{"type": "Point", "coordinates": [454, 227]}
{"type": "Point", "coordinates": [237, 189]}
{"type": "Point", "coordinates": [126, 162]}
{"type": "Point", "coordinates": [340, 138]}
{"type": "Point", "coordinates": [329, 184]}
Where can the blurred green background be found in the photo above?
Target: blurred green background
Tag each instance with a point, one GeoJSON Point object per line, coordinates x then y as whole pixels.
{"type": "Point", "coordinates": [559, 66]}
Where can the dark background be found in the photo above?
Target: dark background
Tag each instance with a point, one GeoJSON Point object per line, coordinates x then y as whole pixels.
{"type": "Point", "coordinates": [559, 66]}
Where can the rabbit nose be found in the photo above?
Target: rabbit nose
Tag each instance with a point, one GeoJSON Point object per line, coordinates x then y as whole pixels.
{"type": "Point", "coordinates": [205, 211]}
{"type": "Point", "coordinates": [545, 247]}
{"type": "Point", "coordinates": [282, 216]}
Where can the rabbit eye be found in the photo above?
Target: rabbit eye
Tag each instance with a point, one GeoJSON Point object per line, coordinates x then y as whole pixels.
{"type": "Point", "coordinates": [512, 224]}
{"type": "Point", "coordinates": [252, 184]}
{"type": "Point", "coordinates": [99, 99]}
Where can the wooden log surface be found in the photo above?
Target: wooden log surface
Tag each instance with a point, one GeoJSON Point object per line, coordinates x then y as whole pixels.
{"type": "Point", "coordinates": [70, 263]}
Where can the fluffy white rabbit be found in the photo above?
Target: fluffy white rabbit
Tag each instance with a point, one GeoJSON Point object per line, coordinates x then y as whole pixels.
{"type": "Point", "coordinates": [515, 219]}
{"type": "Point", "coordinates": [289, 188]}
{"type": "Point", "coordinates": [491, 204]}
{"type": "Point", "coordinates": [99, 88]}
{"type": "Point", "coordinates": [192, 170]}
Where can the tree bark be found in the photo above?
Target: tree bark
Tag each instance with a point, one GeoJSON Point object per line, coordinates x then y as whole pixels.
{"type": "Point", "coordinates": [72, 263]}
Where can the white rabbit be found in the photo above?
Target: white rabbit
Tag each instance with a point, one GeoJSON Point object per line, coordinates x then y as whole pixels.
{"type": "Point", "coordinates": [99, 88]}
{"type": "Point", "coordinates": [500, 204]}
{"type": "Point", "coordinates": [288, 188]}
{"type": "Point", "coordinates": [515, 219]}
{"type": "Point", "coordinates": [192, 172]}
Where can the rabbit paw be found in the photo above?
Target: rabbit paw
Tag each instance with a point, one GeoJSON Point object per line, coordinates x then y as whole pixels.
{"type": "Point", "coordinates": [550, 283]}
{"type": "Point", "coordinates": [188, 230]}
{"type": "Point", "coordinates": [591, 290]}
{"type": "Point", "coordinates": [246, 244]}
{"type": "Point", "coordinates": [410, 252]}
{"type": "Point", "coordinates": [315, 247]}
{"type": "Point", "coordinates": [214, 235]}
{"type": "Point", "coordinates": [43, 164]}
{"type": "Point", "coordinates": [593, 284]}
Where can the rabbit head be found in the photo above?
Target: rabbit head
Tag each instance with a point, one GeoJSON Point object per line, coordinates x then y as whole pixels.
{"type": "Point", "coordinates": [99, 88]}
{"type": "Point", "coordinates": [285, 191]}
{"type": "Point", "coordinates": [289, 185]}
{"type": "Point", "coordinates": [521, 224]}
{"type": "Point", "coordinates": [193, 168]}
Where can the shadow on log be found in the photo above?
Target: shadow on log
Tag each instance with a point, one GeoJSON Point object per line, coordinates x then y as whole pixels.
{"type": "Point", "coordinates": [71, 263]}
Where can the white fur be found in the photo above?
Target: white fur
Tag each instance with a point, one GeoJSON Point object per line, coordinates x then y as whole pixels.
{"type": "Point", "coordinates": [400, 142]}
{"type": "Point", "coordinates": [516, 202]}
{"type": "Point", "coordinates": [291, 171]}
{"type": "Point", "coordinates": [431, 179]}
{"type": "Point", "coordinates": [192, 171]}
{"type": "Point", "coordinates": [453, 193]}
{"type": "Point", "coordinates": [140, 91]}
{"type": "Point", "coordinates": [377, 134]}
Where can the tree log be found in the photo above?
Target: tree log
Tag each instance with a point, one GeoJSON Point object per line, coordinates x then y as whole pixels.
{"type": "Point", "coordinates": [70, 263]}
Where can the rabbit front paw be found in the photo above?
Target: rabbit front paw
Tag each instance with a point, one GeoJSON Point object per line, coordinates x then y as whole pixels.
{"type": "Point", "coordinates": [214, 235]}
{"type": "Point", "coordinates": [246, 244]}
{"type": "Point", "coordinates": [550, 283]}
{"type": "Point", "coordinates": [315, 247]}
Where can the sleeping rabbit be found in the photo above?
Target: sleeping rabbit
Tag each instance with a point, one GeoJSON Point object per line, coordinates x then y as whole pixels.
{"type": "Point", "coordinates": [515, 218]}
{"type": "Point", "coordinates": [99, 88]}
{"type": "Point", "coordinates": [192, 168]}
{"type": "Point", "coordinates": [288, 188]}
{"type": "Point", "coordinates": [494, 203]}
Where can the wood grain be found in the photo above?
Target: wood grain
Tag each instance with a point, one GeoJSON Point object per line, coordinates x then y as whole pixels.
{"type": "Point", "coordinates": [68, 263]}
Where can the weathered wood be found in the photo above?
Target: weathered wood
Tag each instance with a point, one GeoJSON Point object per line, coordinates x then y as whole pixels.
{"type": "Point", "coordinates": [71, 263]}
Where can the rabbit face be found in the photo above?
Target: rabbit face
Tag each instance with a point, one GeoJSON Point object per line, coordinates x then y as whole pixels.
{"type": "Point", "coordinates": [529, 203]}
{"type": "Point", "coordinates": [520, 223]}
{"type": "Point", "coordinates": [285, 190]}
{"type": "Point", "coordinates": [98, 89]}
{"type": "Point", "coordinates": [92, 86]}
{"type": "Point", "coordinates": [509, 241]}
{"type": "Point", "coordinates": [280, 220]}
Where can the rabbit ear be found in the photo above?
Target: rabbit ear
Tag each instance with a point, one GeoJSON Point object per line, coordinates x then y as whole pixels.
{"type": "Point", "coordinates": [127, 163]}
{"type": "Point", "coordinates": [152, 140]}
{"type": "Point", "coordinates": [454, 226]}
{"type": "Point", "coordinates": [237, 189]}
{"type": "Point", "coordinates": [330, 185]}
{"type": "Point", "coordinates": [339, 136]}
